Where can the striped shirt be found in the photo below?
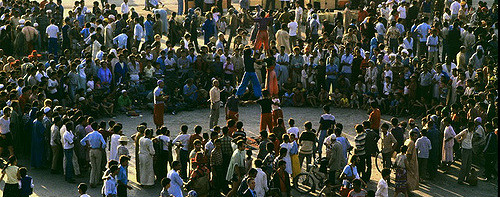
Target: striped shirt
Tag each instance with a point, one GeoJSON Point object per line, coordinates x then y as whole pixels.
{"type": "Point", "coordinates": [360, 143]}
{"type": "Point", "coordinates": [326, 121]}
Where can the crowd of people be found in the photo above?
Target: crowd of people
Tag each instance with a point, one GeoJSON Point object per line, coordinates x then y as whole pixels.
{"type": "Point", "coordinates": [66, 70]}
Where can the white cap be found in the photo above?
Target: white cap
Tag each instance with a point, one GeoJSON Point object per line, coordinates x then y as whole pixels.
{"type": "Point", "coordinates": [123, 91]}
{"type": "Point", "coordinates": [333, 137]}
{"type": "Point", "coordinates": [35, 24]}
{"type": "Point", "coordinates": [22, 21]}
{"type": "Point", "coordinates": [111, 16]}
{"type": "Point", "coordinates": [46, 110]}
{"type": "Point", "coordinates": [81, 99]}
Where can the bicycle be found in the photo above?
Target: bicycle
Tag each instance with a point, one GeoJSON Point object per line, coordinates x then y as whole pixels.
{"type": "Point", "coordinates": [379, 160]}
{"type": "Point", "coordinates": [307, 182]}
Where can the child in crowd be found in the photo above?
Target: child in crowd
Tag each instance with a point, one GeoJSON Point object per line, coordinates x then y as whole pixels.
{"type": "Point", "coordinates": [355, 100]}
{"type": "Point", "coordinates": [82, 190]}
{"type": "Point", "coordinates": [165, 184]}
{"type": "Point", "coordinates": [248, 161]}
{"type": "Point", "coordinates": [323, 97]}
{"type": "Point", "coordinates": [25, 183]}
{"type": "Point", "coordinates": [122, 148]}
{"type": "Point", "coordinates": [344, 101]}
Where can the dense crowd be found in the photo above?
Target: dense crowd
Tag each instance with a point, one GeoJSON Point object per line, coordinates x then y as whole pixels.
{"type": "Point", "coordinates": [64, 70]}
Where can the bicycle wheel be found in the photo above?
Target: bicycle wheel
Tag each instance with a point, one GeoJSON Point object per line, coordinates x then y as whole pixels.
{"type": "Point", "coordinates": [304, 183]}
{"type": "Point", "coordinates": [379, 162]}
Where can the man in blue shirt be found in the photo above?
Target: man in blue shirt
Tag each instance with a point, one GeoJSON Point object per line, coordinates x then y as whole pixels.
{"type": "Point", "coordinates": [148, 28]}
{"type": "Point", "coordinates": [331, 75]}
{"type": "Point", "coordinates": [422, 31]}
{"type": "Point", "coordinates": [122, 177]}
{"type": "Point", "coordinates": [96, 143]}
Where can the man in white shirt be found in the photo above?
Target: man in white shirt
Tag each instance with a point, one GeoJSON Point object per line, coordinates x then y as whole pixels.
{"type": "Point", "coordinates": [183, 140]}
{"type": "Point", "coordinates": [380, 28]}
{"type": "Point", "coordinates": [382, 187]}
{"type": "Point", "coordinates": [454, 8]}
{"type": "Point", "coordinates": [260, 180]}
{"type": "Point", "coordinates": [422, 31]}
{"type": "Point", "coordinates": [176, 182]}
{"type": "Point", "coordinates": [6, 135]}
{"type": "Point", "coordinates": [138, 33]}
{"type": "Point", "coordinates": [121, 40]}
{"type": "Point", "coordinates": [214, 103]}
{"type": "Point", "coordinates": [293, 27]}
{"type": "Point", "coordinates": [68, 145]}
{"type": "Point", "coordinates": [402, 10]}
{"type": "Point", "coordinates": [55, 143]}
{"type": "Point", "coordinates": [298, 16]}
{"type": "Point", "coordinates": [125, 9]}
{"type": "Point", "coordinates": [52, 31]}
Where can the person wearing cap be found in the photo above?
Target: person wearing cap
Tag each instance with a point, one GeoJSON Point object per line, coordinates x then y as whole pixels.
{"type": "Point", "coordinates": [336, 160]}
{"type": "Point", "coordinates": [159, 104]}
{"type": "Point", "coordinates": [122, 149]}
{"type": "Point", "coordinates": [476, 60]}
{"type": "Point", "coordinates": [95, 141]}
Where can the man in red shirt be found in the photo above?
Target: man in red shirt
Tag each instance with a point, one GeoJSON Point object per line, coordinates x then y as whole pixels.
{"type": "Point", "coordinates": [374, 117]}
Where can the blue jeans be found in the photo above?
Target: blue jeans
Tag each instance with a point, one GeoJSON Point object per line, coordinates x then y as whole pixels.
{"type": "Point", "coordinates": [322, 136]}
{"type": "Point", "coordinates": [52, 48]}
{"type": "Point", "coordinates": [68, 153]}
{"type": "Point", "coordinates": [247, 77]}
{"type": "Point", "coordinates": [180, 6]}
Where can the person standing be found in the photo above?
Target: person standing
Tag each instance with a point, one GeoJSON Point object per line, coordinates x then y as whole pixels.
{"type": "Point", "coordinates": [95, 141]}
{"type": "Point", "coordinates": [336, 159]}
{"type": "Point", "coordinates": [137, 136]}
{"type": "Point", "coordinates": [122, 177]}
{"type": "Point", "coordinates": [53, 33]}
{"type": "Point", "coordinates": [465, 139]}
{"type": "Point", "coordinates": [55, 143]}
{"type": "Point", "coordinates": [411, 155]}
{"type": "Point", "coordinates": [266, 116]}
{"type": "Point", "coordinates": [10, 172]}
{"type": "Point", "coordinates": [68, 146]}
{"type": "Point", "coordinates": [146, 153]}
{"type": "Point", "coordinates": [371, 149]}
{"type": "Point", "coordinates": [214, 103]}
{"type": "Point", "coordinates": [382, 186]}
{"type": "Point", "coordinates": [262, 35]}
{"type": "Point", "coordinates": [249, 76]}
{"type": "Point", "coordinates": [159, 104]}
{"type": "Point", "coordinates": [176, 183]}
{"type": "Point", "coordinates": [37, 142]}
{"type": "Point", "coordinates": [388, 144]}
{"type": "Point", "coordinates": [489, 152]}
{"type": "Point", "coordinates": [6, 139]}
{"type": "Point", "coordinates": [183, 156]}
{"type": "Point", "coordinates": [423, 145]}
{"type": "Point", "coordinates": [237, 164]}
{"type": "Point", "coordinates": [448, 143]}
{"type": "Point", "coordinates": [307, 142]}
{"type": "Point", "coordinates": [374, 117]}
{"type": "Point", "coordinates": [231, 107]}
{"type": "Point", "coordinates": [326, 121]}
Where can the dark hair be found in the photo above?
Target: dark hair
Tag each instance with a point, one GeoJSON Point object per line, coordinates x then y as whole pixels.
{"type": "Point", "coordinates": [184, 128]}
{"type": "Point", "coordinates": [165, 181]}
{"type": "Point", "coordinates": [263, 134]}
{"type": "Point", "coordinates": [423, 132]}
{"type": "Point", "coordinates": [83, 187]}
{"type": "Point", "coordinates": [385, 126]}
{"type": "Point", "coordinates": [308, 125]}
{"type": "Point", "coordinates": [359, 128]}
{"type": "Point", "coordinates": [269, 146]}
{"type": "Point", "coordinates": [386, 172]}
{"type": "Point", "coordinates": [394, 121]}
{"type": "Point", "coordinates": [252, 171]}
{"type": "Point", "coordinates": [197, 129]}
{"type": "Point", "coordinates": [404, 148]}
{"type": "Point", "coordinates": [258, 163]}
{"type": "Point", "coordinates": [23, 171]}
{"type": "Point", "coordinates": [326, 108]}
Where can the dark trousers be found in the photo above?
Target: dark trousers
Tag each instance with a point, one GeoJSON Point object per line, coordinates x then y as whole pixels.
{"type": "Point", "coordinates": [121, 190]}
{"type": "Point", "coordinates": [432, 166]}
{"type": "Point", "coordinates": [422, 167]}
{"type": "Point", "coordinates": [466, 164]}
{"type": "Point", "coordinates": [184, 158]}
{"type": "Point", "coordinates": [365, 167]}
{"type": "Point", "coordinates": [386, 158]}
{"type": "Point", "coordinates": [69, 163]}
{"type": "Point", "coordinates": [489, 164]}
{"type": "Point", "coordinates": [52, 48]}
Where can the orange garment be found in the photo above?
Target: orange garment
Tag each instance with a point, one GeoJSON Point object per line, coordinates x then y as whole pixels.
{"type": "Point", "coordinates": [272, 81]}
{"type": "Point", "coordinates": [262, 38]}
{"type": "Point", "coordinates": [375, 119]}
{"type": "Point", "coordinates": [232, 115]}
{"type": "Point", "coordinates": [266, 120]}
{"type": "Point", "coordinates": [278, 113]}
{"type": "Point", "coordinates": [158, 114]}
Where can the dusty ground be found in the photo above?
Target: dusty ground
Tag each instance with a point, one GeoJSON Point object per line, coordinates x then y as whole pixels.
{"type": "Point", "coordinates": [445, 185]}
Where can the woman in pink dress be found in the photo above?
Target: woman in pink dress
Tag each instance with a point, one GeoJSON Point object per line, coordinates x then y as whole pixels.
{"type": "Point", "coordinates": [448, 142]}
